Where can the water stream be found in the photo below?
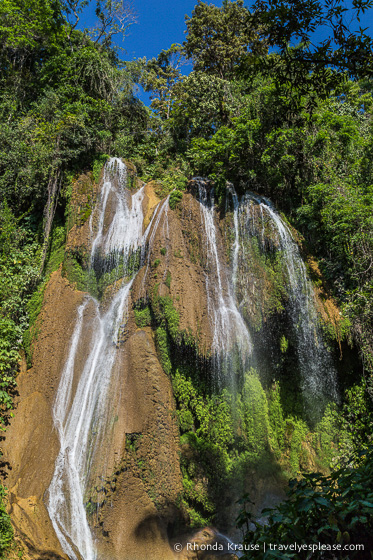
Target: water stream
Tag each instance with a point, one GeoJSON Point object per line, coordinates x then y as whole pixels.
{"type": "Point", "coordinates": [83, 409]}
{"type": "Point", "coordinates": [231, 345]}
{"type": "Point", "coordinates": [255, 217]}
{"type": "Point", "coordinates": [82, 417]}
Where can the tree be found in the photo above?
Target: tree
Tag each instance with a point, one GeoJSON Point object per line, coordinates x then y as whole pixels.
{"type": "Point", "coordinates": [160, 76]}
{"type": "Point", "coordinates": [289, 27]}
{"type": "Point", "coordinates": [201, 104]}
{"type": "Point", "coordinates": [332, 511]}
{"type": "Point", "coordinates": [114, 18]}
{"type": "Point", "coordinates": [218, 39]}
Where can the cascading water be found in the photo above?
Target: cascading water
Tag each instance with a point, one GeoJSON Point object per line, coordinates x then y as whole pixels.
{"type": "Point", "coordinates": [254, 217]}
{"type": "Point", "coordinates": [84, 408]}
{"type": "Point", "coordinates": [231, 345]}
{"type": "Point", "coordinates": [160, 212]}
{"type": "Point", "coordinates": [82, 417]}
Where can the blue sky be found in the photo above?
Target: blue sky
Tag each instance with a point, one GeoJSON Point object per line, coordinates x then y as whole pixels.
{"type": "Point", "coordinates": [162, 22]}
{"type": "Point", "coordinates": [159, 24]}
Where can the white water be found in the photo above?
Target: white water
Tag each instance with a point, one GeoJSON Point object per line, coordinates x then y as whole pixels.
{"type": "Point", "coordinates": [316, 367]}
{"type": "Point", "coordinates": [318, 375]}
{"type": "Point", "coordinates": [82, 410]}
{"type": "Point", "coordinates": [160, 212]}
{"type": "Point", "coordinates": [81, 419]}
{"type": "Point", "coordinates": [230, 333]}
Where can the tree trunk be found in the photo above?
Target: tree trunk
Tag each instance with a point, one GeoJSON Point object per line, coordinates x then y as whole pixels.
{"type": "Point", "coordinates": [54, 186]}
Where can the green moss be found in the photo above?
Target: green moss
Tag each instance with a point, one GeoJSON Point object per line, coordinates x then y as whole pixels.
{"type": "Point", "coordinates": [156, 263]}
{"type": "Point", "coordinates": [85, 211]}
{"type": "Point", "coordinates": [255, 414]}
{"type": "Point", "coordinates": [195, 518]}
{"type": "Point", "coordinates": [57, 249]}
{"type": "Point", "coordinates": [98, 164]}
{"type": "Point", "coordinates": [163, 349]}
{"type": "Point", "coordinates": [34, 306]}
{"type": "Point", "coordinates": [143, 317]}
{"type": "Point", "coordinates": [276, 420]}
{"type": "Point", "coordinates": [327, 433]}
{"type": "Point", "coordinates": [163, 251]}
{"type": "Point", "coordinates": [6, 529]}
{"type": "Point", "coordinates": [76, 269]}
{"type": "Point", "coordinates": [185, 420]}
{"type": "Point", "coordinates": [296, 433]}
{"type": "Point", "coordinates": [168, 279]}
{"type": "Point", "coordinates": [175, 198]}
{"type": "Point", "coordinates": [133, 441]}
{"type": "Point", "coordinates": [337, 330]}
{"type": "Point", "coordinates": [284, 344]}
{"type": "Point", "coordinates": [166, 314]}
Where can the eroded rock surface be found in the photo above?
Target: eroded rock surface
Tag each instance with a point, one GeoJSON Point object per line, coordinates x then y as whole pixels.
{"type": "Point", "coordinates": [135, 496]}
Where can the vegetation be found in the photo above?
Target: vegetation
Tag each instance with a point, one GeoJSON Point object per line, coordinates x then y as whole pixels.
{"type": "Point", "coordinates": [6, 529]}
{"type": "Point", "coordinates": [292, 123]}
{"type": "Point", "coordinates": [291, 127]}
{"type": "Point", "coordinates": [225, 434]}
{"type": "Point", "coordinates": [326, 515]}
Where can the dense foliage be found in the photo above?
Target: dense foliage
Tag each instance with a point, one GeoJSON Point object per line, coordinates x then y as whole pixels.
{"type": "Point", "coordinates": [292, 123]}
{"type": "Point", "coordinates": [326, 516]}
{"type": "Point", "coordinates": [64, 96]}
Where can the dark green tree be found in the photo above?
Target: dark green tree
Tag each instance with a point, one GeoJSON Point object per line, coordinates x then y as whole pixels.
{"type": "Point", "coordinates": [289, 28]}
{"type": "Point", "coordinates": [218, 39]}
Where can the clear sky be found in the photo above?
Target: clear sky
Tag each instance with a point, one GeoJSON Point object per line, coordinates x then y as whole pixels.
{"type": "Point", "coordinates": [162, 22]}
{"type": "Point", "coordinates": [159, 24]}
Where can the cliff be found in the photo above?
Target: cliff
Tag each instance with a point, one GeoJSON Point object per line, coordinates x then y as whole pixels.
{"type": "Point", "coordinates": [204, 317]}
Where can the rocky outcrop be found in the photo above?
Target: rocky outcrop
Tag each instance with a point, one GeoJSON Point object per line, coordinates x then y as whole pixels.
{"type": "Point", "coordinates": [137, 499]}
{"type": "Point", "coordinates": [31, 444]}
{"type": "Point", "coordinates": [173, 269]}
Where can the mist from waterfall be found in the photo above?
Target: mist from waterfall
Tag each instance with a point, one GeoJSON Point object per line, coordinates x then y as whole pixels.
{"type": "Point", "coordinates": [255, 217]}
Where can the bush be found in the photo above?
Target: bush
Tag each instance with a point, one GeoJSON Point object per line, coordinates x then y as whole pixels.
{"type": "Point", "coordinates": [330, 510]}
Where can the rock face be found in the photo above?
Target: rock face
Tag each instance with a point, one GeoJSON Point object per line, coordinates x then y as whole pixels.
{"type": "Point", "coordinates": [144, 486]}
{"type": "Point", "coordinates": [174, 269]}
{"type": "Point", "coordinates": [206, 544]}
{"type": "Point", "coordinates": [31, 444]}
{"type": "Point", "coordinates": [136, 504]}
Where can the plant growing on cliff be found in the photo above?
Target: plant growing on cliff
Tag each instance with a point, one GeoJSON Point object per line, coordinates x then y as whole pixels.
{"type": "Point", "coordinates": [331, 511]}
{"type": "Point", "coordinates": [19, 252]}
{"type": "Point", "coordinates": [6, 529]}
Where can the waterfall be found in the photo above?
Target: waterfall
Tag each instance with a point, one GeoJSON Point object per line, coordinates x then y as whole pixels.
{"type": "Point", "coordinates": [254, 216]}
{"type": "Point", "coordinates": [231, 344]}
{"type": "Point", "coordinates": [84, 406]}
{"type": "Point", "coordinates": [160, 212]}
{"type": "Point", "coordinates": [82, 417]}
